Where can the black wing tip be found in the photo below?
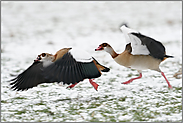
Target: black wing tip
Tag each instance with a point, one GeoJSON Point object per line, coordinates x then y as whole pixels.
{"type": "Point", "coordinates": [14, 85]}
{"type": "Point", "coordinates": [138, 34]}
{"type": "Point", "coordinates": [106, 69]}
{"type": "Point", "coordinates": [167, 56]}
{"type": "Point", "coordinates": [16, 88]}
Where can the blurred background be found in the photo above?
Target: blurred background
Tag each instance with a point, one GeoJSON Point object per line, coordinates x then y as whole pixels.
{"type": "Point", "coordinates": [30, 28]}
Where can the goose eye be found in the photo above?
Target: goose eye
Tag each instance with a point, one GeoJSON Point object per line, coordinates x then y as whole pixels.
{"type": "Point", "coordinates": [104, 44]}
{"type": "Point", "coordinates": [43, 54]}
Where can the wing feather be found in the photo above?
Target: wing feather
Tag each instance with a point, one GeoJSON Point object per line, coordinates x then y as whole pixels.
{"type": "Point", "coordinates": [137, 47]}
{"type": "Point", "coordinates": [72, 70]}
{"type": "Point", "coordinates": [65, 69]}
{"type": "Point", "coordinates": [31, 77]}
{"type": "Point", "coordinates": [156, 48]}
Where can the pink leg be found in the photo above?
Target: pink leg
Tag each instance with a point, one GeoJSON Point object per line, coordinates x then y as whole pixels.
{"type": "Point", "coordinates": [169, 86]}
{"type": "Point", "coordinates": [95, 85]}
{"type": "Point", "coordinates": [129, 81]}
{"type": "Point", "coordinates": [71, 86]}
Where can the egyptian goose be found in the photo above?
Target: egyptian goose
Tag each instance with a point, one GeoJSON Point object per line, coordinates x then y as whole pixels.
{"type": "Point", "coordinates": [67, 66]}
{"type": "Point", "coordinates": [141, 52]}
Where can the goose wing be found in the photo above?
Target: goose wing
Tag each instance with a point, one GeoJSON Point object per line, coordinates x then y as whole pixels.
{"type": "Point", "coordinates": [143, 45]}
{"type": "Point", "coordinates": [70, 69]}
{"type": "Point", "coordinates": [137, 47]}
{"type": "Point", "coordinates": [156, 48]}
{"type": "Point", "coordinates": [31, 77]}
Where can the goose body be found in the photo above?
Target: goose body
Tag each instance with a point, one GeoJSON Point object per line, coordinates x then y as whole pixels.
{"type": "Point", "coordinates": [69, 66]}
{"type": "Point", "coordinates": [141, 52]}
{"type": "Point", "coordinates": [135, 61]}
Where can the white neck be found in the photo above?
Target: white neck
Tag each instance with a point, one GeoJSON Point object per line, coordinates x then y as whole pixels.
{"type": "Point", "coordinates": [47, 61]}
{"type": "Point", "coordinates": [111, 51]}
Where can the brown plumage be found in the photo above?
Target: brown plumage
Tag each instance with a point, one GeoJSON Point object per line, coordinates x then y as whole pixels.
{"type": "Point", "coordinates": [141, 53]}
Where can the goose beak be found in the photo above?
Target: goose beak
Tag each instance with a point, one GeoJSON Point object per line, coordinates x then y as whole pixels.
{"type": "Point", "coordinates": [37, 59]}
{"type": "Point", "coordinates": [99, 48]}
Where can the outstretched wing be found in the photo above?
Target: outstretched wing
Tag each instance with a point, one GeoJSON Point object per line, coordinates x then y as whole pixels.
{"type": "Point", "coordinates": [156, 48]}
{"type": "Point", "coordinates": [143, 45]}
{"type": "Point", "coordinates": [31, 77]}
{"type": "Point", "coordinates": [68, 70]}
{"type": "Point", "coordinates": [136, 44]}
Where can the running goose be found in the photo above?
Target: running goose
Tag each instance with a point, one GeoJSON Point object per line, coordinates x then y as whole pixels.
{"type": "Point", "coordinates": [141, 52]}
{"type": "Point", "coordinates": [69, 66]}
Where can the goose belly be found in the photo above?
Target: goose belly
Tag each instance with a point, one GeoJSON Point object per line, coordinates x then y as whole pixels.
{"type": "Point", "coordinates": [139, 62]}
{"type": "Point", "coordinates": [142, 62]}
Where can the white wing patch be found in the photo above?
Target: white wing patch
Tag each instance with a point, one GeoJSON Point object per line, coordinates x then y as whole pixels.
{"type": "Point", "coordinates": [136, 44]}
{"type": "Point", "coordinates": [137, 47]}
{"type": "Point", "coordinates": [80, 55]}
{"type": "Point", "coordinates": [127, 31]}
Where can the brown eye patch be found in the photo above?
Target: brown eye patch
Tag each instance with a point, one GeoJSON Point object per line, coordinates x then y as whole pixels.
{"type": "Point", "coordinates": [43, 54]}
{"type": "Point", "coordinates": [104, 44]}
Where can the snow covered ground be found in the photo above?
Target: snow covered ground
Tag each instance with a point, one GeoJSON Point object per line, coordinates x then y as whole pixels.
{"type": "Point", "coordinates": [30, 28]}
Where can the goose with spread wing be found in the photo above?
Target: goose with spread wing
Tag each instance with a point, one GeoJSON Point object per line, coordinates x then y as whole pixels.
{"type": "Point", "coordinates": [141, 52]}
{"type": "Point", "coordinates": [68, 65]}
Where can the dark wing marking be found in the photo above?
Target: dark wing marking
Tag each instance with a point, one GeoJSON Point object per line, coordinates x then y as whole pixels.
{"type": "Point", "coordinates": [31, 77]}
{"type": "Point", "coordinates": [156, 48]}
{"type": "Point", "coordinates": [70, 71]}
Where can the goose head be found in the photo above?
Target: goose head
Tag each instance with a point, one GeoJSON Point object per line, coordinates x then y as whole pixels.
{"type": "Point", "coordinates": [104, 46]}
{"type": "Point", "coordinates": [45, 57]}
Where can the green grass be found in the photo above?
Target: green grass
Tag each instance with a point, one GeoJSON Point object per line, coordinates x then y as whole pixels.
{"type": "Point", "coordinates": [40, 103]}
{"type": "Point", "coordinates": [136, 106]}
{"type": "Point", "coordinates": [20, 112]}
{"type": "Point", "coordinates": [4, 101]}
{"type": "Point", "coordinates": [112, 79]}
{"type": "Point", "coordinates": [20, 98]}
{"type": "Point", "coordinates": [47, 111]}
